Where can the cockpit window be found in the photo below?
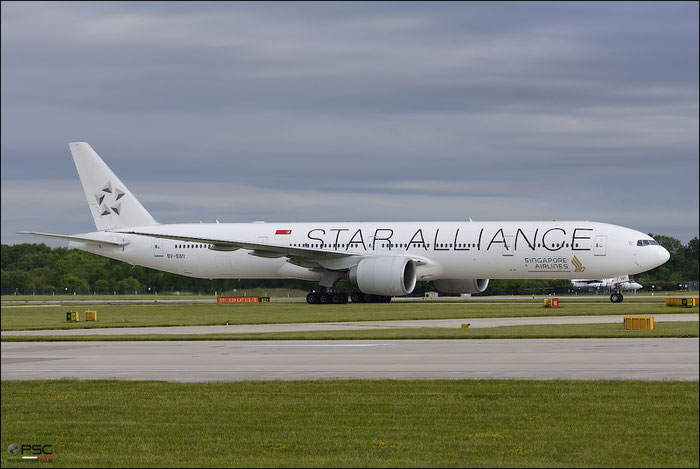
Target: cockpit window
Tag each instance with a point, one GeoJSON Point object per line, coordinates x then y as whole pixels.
{"type": "Point", "coordinates": [647, 242]}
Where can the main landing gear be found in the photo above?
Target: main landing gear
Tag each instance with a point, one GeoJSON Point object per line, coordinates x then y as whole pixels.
{"type": "Point", "coordinates": [616, 297]}
{"type": "Point", "coordinates": [359, 297]}
{"type": "Point", "coordinates": [324, 298]}
{"type": "Point", "coordinates": [339, 298]}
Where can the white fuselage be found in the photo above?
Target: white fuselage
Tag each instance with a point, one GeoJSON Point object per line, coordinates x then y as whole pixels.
{"type": "Point", "coordinates": [449, 250]}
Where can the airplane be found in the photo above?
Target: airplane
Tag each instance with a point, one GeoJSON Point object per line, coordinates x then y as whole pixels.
{"type": "Point", "coordinates": [622, 283]}
{"type": "Point", "coordinates": [382, 259]}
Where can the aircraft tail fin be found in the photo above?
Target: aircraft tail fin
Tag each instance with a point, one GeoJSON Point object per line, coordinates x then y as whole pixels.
{"type": "Point", "coordinates": [112, 205]}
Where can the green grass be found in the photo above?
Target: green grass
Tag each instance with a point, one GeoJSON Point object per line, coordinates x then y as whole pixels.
{"type": "Point", "coordinates": [470, 423]}
{"type": "Point", "coordinates": [134, 315]}
{"type": "Point", "coordinates": [292, 293]}
{"type": "Point", "coordinates": [546, 331]}
{"type": "Point", "coordinates": [273, 292]}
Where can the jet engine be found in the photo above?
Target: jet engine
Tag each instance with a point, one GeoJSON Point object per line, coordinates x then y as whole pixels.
{"type": "Point", "coordinates": [386, 275]}
{"type": "Point", "coordinates": [461, 285]}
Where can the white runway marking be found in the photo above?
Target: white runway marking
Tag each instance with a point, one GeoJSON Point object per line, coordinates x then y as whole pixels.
{"type": "Point", "coordinates": [311, 344]}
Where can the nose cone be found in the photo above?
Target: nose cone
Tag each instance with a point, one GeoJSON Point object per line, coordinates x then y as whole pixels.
{"type": "Point", "coordinates": [663, 255]}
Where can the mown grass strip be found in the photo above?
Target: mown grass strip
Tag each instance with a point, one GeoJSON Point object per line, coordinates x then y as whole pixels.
{"type": "Point", "coordinates": [130, 315]}
{"type": "Point", "coordinates": [544, 331]}
{"type": "Point", "coordinates": [491, 423]}
{"type": "Point", "coordinates": [292, 293]}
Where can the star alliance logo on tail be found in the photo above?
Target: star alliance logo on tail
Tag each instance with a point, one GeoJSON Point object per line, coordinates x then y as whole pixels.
{"type": "Point", "coordinates": [577, 264]}
{"type": "Point", "coordinates": [106, 205]}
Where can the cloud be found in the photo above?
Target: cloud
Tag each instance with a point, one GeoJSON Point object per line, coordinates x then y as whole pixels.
{"type": "Point", "coordinates": [352, 110]}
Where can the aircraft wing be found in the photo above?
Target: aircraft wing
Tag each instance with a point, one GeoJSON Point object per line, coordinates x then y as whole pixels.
{"type": "Point", "coordinates": [328, 258]}
{"type": "Point", "coordinates": [262, 248]}
{"type": "Point", "coordinates": [109, 240]}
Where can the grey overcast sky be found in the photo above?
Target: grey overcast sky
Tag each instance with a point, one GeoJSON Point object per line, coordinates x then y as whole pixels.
{"type": "Point", "coordinates": [354, 111]}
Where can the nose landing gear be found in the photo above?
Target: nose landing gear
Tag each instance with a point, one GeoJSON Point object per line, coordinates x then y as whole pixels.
{"type": "Point", "coordinates": [616, 297]}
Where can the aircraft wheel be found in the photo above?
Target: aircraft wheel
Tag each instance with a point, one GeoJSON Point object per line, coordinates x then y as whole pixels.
{"type": "Point", "coordinates": [312, 298]}
{"type": "Point", "coordinates": [357, 297]}
{"type": "Point", "coordinates": [336, 298]}
{"type": "Point", "coordinates": [616, 298]}
{"type": "Point", "coordinates": [323, 298]}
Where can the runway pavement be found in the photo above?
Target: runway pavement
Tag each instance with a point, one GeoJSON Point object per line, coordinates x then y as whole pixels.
{"type": "Point", "coordinates": [356, 325]}
{"type": "Point", "coordinates": [194, 361]}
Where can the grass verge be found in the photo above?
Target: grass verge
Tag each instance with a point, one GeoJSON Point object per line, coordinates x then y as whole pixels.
{"type": "Point", "coordinates": [490, 423]}
{"type": "Point", "coordinates": [136, 315]}
{"type": "Point", "coordinates": [544, 331]}
{"type": "Point", "coordinates": [293, 293]}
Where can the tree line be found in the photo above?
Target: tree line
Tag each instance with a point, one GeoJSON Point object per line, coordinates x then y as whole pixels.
{"type": "Point", "coordinates": [38, 269]}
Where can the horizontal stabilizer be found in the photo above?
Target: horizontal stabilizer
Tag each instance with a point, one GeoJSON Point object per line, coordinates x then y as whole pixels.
{"type": "Point", "coordinates": [80, 238]}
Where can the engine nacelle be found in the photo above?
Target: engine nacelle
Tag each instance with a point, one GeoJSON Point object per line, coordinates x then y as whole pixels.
{"type": "Point", "coordinates": [461, 285]}
{"type": "Point", "coordinates": [386, 275]}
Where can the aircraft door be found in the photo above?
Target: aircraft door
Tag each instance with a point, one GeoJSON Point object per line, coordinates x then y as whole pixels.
{"type": "Point", "coordinates": [508, 246]}
{"type": "Point", "coordinates": [601, 242]}
{"type": "Point", "coordinates": [157, 247]}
